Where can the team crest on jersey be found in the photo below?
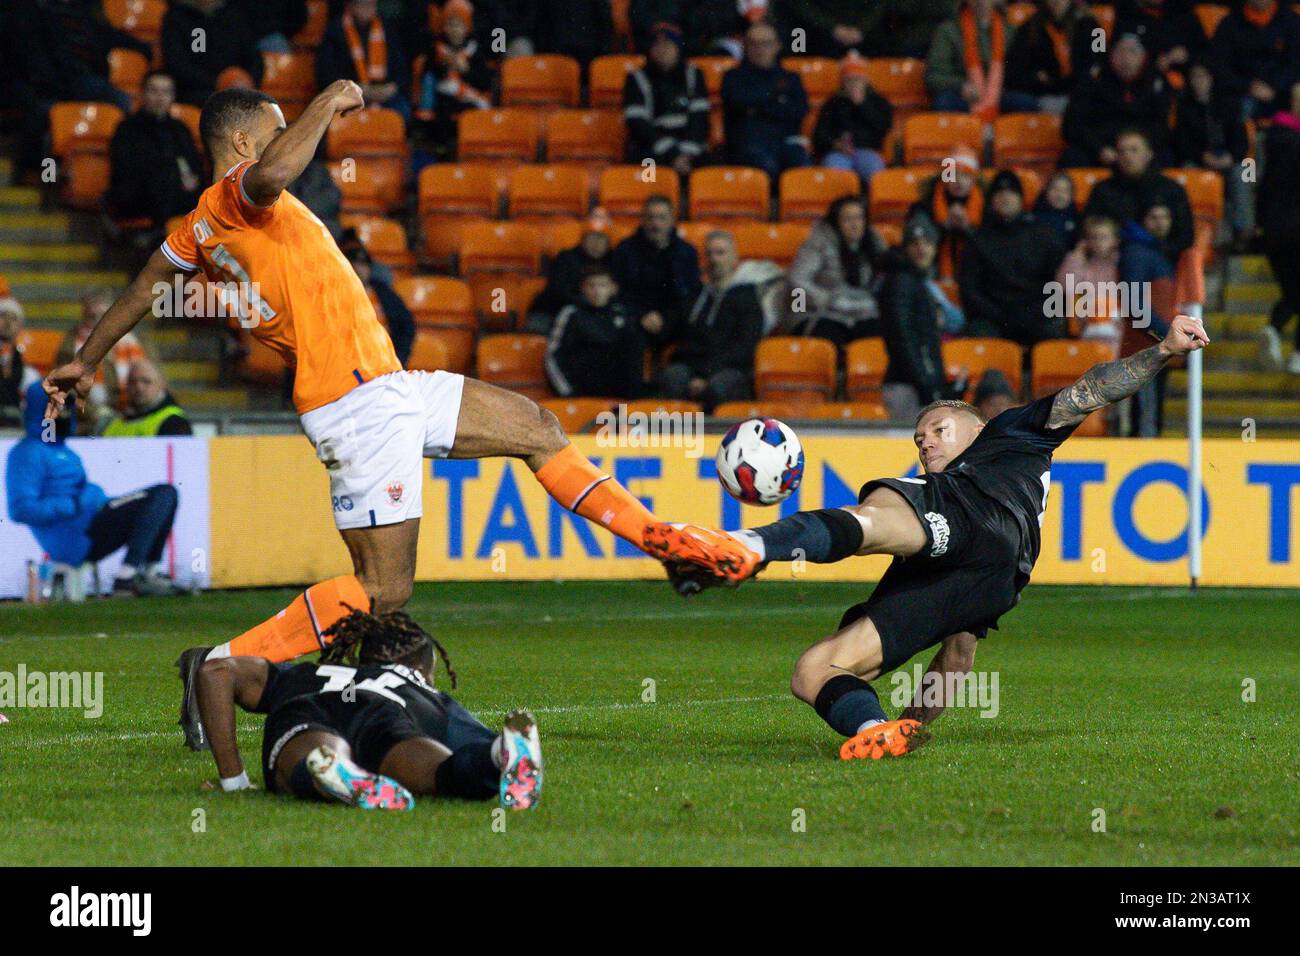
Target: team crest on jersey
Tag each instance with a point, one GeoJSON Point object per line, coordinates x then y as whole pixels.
{"type": "Point", "coordinates": [939, 529]}
{"type": "Point", "coordinates": [395, 492]}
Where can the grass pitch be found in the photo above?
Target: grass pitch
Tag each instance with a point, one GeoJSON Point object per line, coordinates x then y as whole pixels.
{"type": "Point", "coordinates": [1127, 701]}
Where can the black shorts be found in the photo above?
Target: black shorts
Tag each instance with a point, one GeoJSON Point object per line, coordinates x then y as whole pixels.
{"type": "Point", "coordinates": [964, 579]}
{"type": "Point", "coordinates": [370, 729]}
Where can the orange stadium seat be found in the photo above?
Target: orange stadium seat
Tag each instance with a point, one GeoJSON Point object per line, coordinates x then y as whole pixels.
{"type": "Point", "coordinates": [807, 193]}
{"type": "Point", "coordinates": [313, 31]}
{"type": "Point", "coordinates": [976, 356]}
{"type": "Point", "coordinates": [291, 79]}
{"type": "Point", "coordinates": [40, 347]}
{"type": "Point", "coordinates": [865, 362]}
{"type": "Point", "coordinates": [1084, 178]}
{"type": "Point", "coordinates": [515, 362]}
{"type": "Point", "coordinates": [385, 240]}
{"type": "Point", "coordinates": [1105, 14]}
{"type": "Point", "coordinates": [578, 415]}
{"type": "Point", "coordinates": [820, 75]}
{"type": "Point", "coordinates": [606, 75]}
{"type": "Point", "coordinates": [499, 247]}
{"type": "Point", "coordinates": [1210, 15]}
{"type": "Point", "coordinates": [371, 186]}
{"type": "Point", "coordinates": [585, 136]}
{"type": "Point", "coordinates": [778, 242]}
{"type": "Point", "coordinates": [663, 406]}
{"type": "Point", "coordinates": [502, 299]}
{"type": "Point", "coordinates": [126, 69]}
{"type": "Point", "coordinates": [901, 80]}
{"type": "Point", "coordinates": [849, 411]}
{"type": "Point", "coordinates": [376, 139]}
{"type": "Point", "coordinates": [462, 189]}
{"type": "Point", "coordinates": [1058, 363]}
{"type": "Point", "coordinates": [1018, 13]}
{"type": "Point", "coordinates": [557, 233]}
{"type": "Point", "coordinates": [445, 308]}
{"type": "Point", "coordinates": [623, 191]}
{"type": "Point", "coordinates": [80, 134]}
{"type": "Point", "coordinates": [140, 18]}
{"type": "Point", "coordinates": [1027, 139]}
{"type": "Point", "coordinates": [429, 353]}
{"type": "Point", "coordinates": [543, 80]}
{"type": "Point", "coordinates": [931, 137]}
{"type": "Point", "coordinates": [547, 191]}
{"type": "Point", "coordinates": [712, 69]}
{"type": "Point", "coordinates": [189, 115]}
{"type": "Point", "coordinates": [727, 191]}
{"type": "Point", "coordinates": [1031, 182]}
{"type": "Point", "coordinates": [893, 191]}
{"type": "Point", "coordinates": [794, 369]}
{"type": "Point", "coordinates": [1204, 191]}
{"type": "Point", "coordinates": [739, 411]}
{"type": "Point", "coordinates": [890, 233]}
{"type": "Point", "coordinates": [510, 134]}
{"type": "Point", "coordinates": [697, 232]}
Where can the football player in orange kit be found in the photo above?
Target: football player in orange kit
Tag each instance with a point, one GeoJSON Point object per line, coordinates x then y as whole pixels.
{"type": "Point", "coordinates": [371, 423]}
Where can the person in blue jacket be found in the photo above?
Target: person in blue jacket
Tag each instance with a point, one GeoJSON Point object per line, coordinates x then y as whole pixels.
{"type": "Point", "coordinates": [72, 518]}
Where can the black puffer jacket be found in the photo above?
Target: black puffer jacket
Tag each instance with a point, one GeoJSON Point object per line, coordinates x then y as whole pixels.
{"type": "Point", "coordinates": [911, 329]}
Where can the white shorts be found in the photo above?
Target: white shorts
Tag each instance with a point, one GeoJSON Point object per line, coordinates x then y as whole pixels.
{"type": "Point", "coordinates": [373, 441]}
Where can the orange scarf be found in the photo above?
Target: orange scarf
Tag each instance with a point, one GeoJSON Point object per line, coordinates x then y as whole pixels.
{"type": "Point", "coordinates": [950, 244]}
{"type": "Point", "coordinates": [990, 86]}
{"type": "Point", "coordinates": [371, 61]}
{"type": "Point", "coordinates": [1259, 18]}
{"type": "Point", "coordinates": [1061, 47]}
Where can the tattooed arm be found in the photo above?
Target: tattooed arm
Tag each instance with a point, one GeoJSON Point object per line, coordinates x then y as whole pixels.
{"type": "Point", "coordinates": [1111, 381]}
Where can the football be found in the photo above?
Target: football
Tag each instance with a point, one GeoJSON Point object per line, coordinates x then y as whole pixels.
{"type": "Point", "coordinates": [760, 461]}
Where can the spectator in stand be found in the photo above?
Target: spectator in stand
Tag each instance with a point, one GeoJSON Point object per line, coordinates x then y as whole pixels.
{"type": "Point", "coordinates": [657, 273]}
{"type": "Point", "coordinates": [852, 125]}
{"type": "Point", "coordinates": [714, 357]}
{"type": "Point", "coordinates": [1127, 92]}
{"type": "Point", "coordinates": [911, 25]}
{"type": "Point", "coordinates": [15, 375]}
{"type": "Point", "coordinates": [1209, 133]}
{"type": "Point", "coordinates": [71, 518]}
{"type": "Point", "coordinates": [1279, 221]}
{"type": "Point", "coordinates": [392, 310]}
{"type": "Point", "coordinates": [965, 70]}
{"type": "Point", "coordinates": [832, 274]}
{"type": "Point", "coordinates": [595, 347]}
{"type": "Point", "coordinates": [564, 277]}
{"type": "Point", "coordinates": [955, 204]}
{"type": "Point", "coordinates": [1055, 207]}
{"type": "Point", "coordinates": [666, 106]}
{"type": "Point", "coordinates": [717, 27]}
{"type": "Point", "coordinates": [229, 57]}
{"type": "Point", "coordinates": [1052, 49]}
{"type": "Point", "coordinates": [1169, 29]}
{"type": "Point", "coordinates": [317, 190]}
{"type": "Point", "coordinates": [275, 23]}
{"type": "Point", "coordinates": [835, 28]}
{"type": "Point", "coordinates": [454, 74]}
{"type": "Point", "coordinates": [1006, 265]}
{"type": "Point", "coordinates": [1089, 269]}
{"type": "Point", "coordinates": [1256, 51]}
{"type": "Point", "coordinates": [582, 29]}
{"type": "Point", "coordinates": [763, 106]}
{"type": "Point", "coordinates": [108, 394]}
{"type": "Point", "coordinates": [156, 169]}
{"type": "Point", "coordinates": [993, 395]}
{"type": "Point", "coordinates": [150, 408]}
{"type": "Point", "coordinates": [914, 311]}
{"type": "Point", "coordinates": [361, 45]}
{"type": "Point", "coordinates": [643, 16]}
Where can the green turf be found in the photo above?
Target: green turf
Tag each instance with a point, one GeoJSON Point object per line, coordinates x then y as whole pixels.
{"type": "Point", "coordinates": [1128, 700]}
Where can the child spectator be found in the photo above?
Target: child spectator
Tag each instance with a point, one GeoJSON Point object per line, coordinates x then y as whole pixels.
{"type": "Point", "coordinates": [852, 125]}
{"type": "Point", "coordinates": [595, 348]}
{"type": "Point", "coordinates": [1055, 207]}
{"type": "Point", "coordinates": [1094, 261]}
{"type": "Point", "coordinates": [454, 74]}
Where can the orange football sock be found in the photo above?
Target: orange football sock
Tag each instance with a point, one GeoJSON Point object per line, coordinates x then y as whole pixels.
{"type": "Point", "coordinates": [580, 486]}
{"type": "Point", "coordinates": [296, 630]}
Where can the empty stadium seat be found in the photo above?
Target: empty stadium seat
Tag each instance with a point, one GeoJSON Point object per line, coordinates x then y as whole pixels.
{"type": "Point", "coordinates": [507, 134]}
{"type": "Point", "coordinates": [623, 190]}
{"type": "Point", "coordinates": [450, 195]}
{"type": "Point", "coordinates": [1084, 178]}
{"type": "Point", "coordinates": [894, 190]}
{"type": "Point", "coordinates": [975, 356]}
{"type": "Point", "coordinates": [1058, 363]}
{"type": "Point", "coordinates": [79, 135]}
{"type": "Point", "coordinates": [901, 80]}
{"type": "Point", "coordinates": [126, 69]}
{"type": "Point", "coordinates": [739, 411]}
{"type": "Point", "coordinates": [544, 80]}
{"type": "Point", "coordinates": [502, 299]}
{"type": "Point", "coordinates": [663, 406]}
{"type": "Point", "coordinates": [820, 75]}
{"type": "Point", "coordinates": [578, 415]}
{"type": "Point", "coordinates": [585, 136]}
{"type": "Point", "coordinates": [40, 347]}
{"type": "Point", "coordinates": [1027, 139]}
{"type": "Point", "coordinates": [806, 193]}
{"type": "Point", "coordinates": [547, 191]}
{"type": "Point", "coordinates": [849, 411]}
{"type": "Point", "coordinates": [291, 79]}
{"type": "Point", "coordinates": [605, 78]}
{"type": "Point", "coordinates": [557, 233]}
{"type": "Point", "coordinates": [726, 191]}
{"type": "Point", "coordinates": [371, 185]}
{"type": "Point", "coordinates": [376, 140]}
{"type": "Point", "coordinates": [865, 363]}
{"type": "Point", "coordinates": [932, 137]}
{"type": "Point", "coordinates": [499, 247]}
{"type": "Point", "coordinates": [712, 68]}
{"type": "Point", "coordinates": [385, 240]}
{"type": "Point", "coordinates": [444, 307]}
{"type": "Point", "coordinates": [428, 353]}
{"type": "Point", "coordinates": [775, 241]}
{"type": "Point", "coordinates": [1204, 191]}
{"type": "Point", "coordinates": [795, 369]}
{"type": "Point", "coordinates": [515, 362]}
{"type": "Point", "coordinates": [140, 18]}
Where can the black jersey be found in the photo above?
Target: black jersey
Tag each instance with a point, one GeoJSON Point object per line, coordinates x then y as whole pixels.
{"type": "Point", "coordinates": [1011, 462]}
{"type": "Point", "coordinates": [347, 693]}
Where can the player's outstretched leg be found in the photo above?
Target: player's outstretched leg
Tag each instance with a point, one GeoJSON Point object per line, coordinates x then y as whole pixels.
{"type": "Point", "coordinates": [317, 764]}
{"type": "Point", "coordinates": [521, 761]}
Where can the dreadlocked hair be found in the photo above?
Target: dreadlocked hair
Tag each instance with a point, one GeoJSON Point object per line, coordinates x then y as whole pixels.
{"type": "Point", "coordinates": [388, 638]}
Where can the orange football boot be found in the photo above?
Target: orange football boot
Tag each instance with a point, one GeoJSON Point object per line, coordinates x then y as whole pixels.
{"type": "Point", "coordinates": [714, 551]}
{"type": "Point", "coordinates": [891, 739]}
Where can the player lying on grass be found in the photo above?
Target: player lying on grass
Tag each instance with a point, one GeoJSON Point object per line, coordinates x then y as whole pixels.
{"type": "Point", "coordinates": [366, 726]}
{"type": "Point", "coordinates": [370, 422]}
{"type": "Point", "coordinates": [964, 538]}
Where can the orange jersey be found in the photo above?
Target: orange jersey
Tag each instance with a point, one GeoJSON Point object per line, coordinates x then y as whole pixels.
{"type": "Point", "coordinates": [303, 298]}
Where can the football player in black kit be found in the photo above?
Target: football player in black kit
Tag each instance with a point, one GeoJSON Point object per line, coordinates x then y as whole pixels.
{"type": "Point", "coordinates": [365, 725]}
{"type": "Point", "coordinates": [964, 538]}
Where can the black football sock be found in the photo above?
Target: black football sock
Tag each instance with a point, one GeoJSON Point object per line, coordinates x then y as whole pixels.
{"type": "Point", "coordinates": [469, 773]}
{"type": "Point", "coordinates": [846, 703]}
{"type": "Point", "coordinates": [822, 537]}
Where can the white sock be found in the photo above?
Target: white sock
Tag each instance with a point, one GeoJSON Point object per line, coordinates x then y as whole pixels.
{"type": "Point", "coordinates": [221, 650]}
{"type": "Point", "coordinates": [751, 540]}
{"type": "Point", "coordinates": [868, 723]}
{"type": "Point", "coordinates": [125, 572]}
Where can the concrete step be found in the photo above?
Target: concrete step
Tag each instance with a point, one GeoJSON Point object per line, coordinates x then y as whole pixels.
{"type": "Point", "coordinates": [1235, 409]}
{"type": "Point", "coordinates": [1235, 325]}
{"type": "Point", "coordinates": [210, 399]}
{"type": "Point", "coordinates": [1249, 297]}
{"type": "Point", "coordinates": [1249, 269]}
{"type": "Point", "coordinates": [1231, 353]}
{"type": "Point", "coordinates": [54, 312]}
{"type": "Point", "coordinates": [51, 284]}
{"type": "Point", "coordinates": [51, 255]}
{"type": "Point", "coordinates": [187, 372]}
{"type": "Point", "coordinates": [1240, 384]}
{"type": "Point", "coordinates": [19, 198]}
{"type": "Point", "coordinates": [31, 219]}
